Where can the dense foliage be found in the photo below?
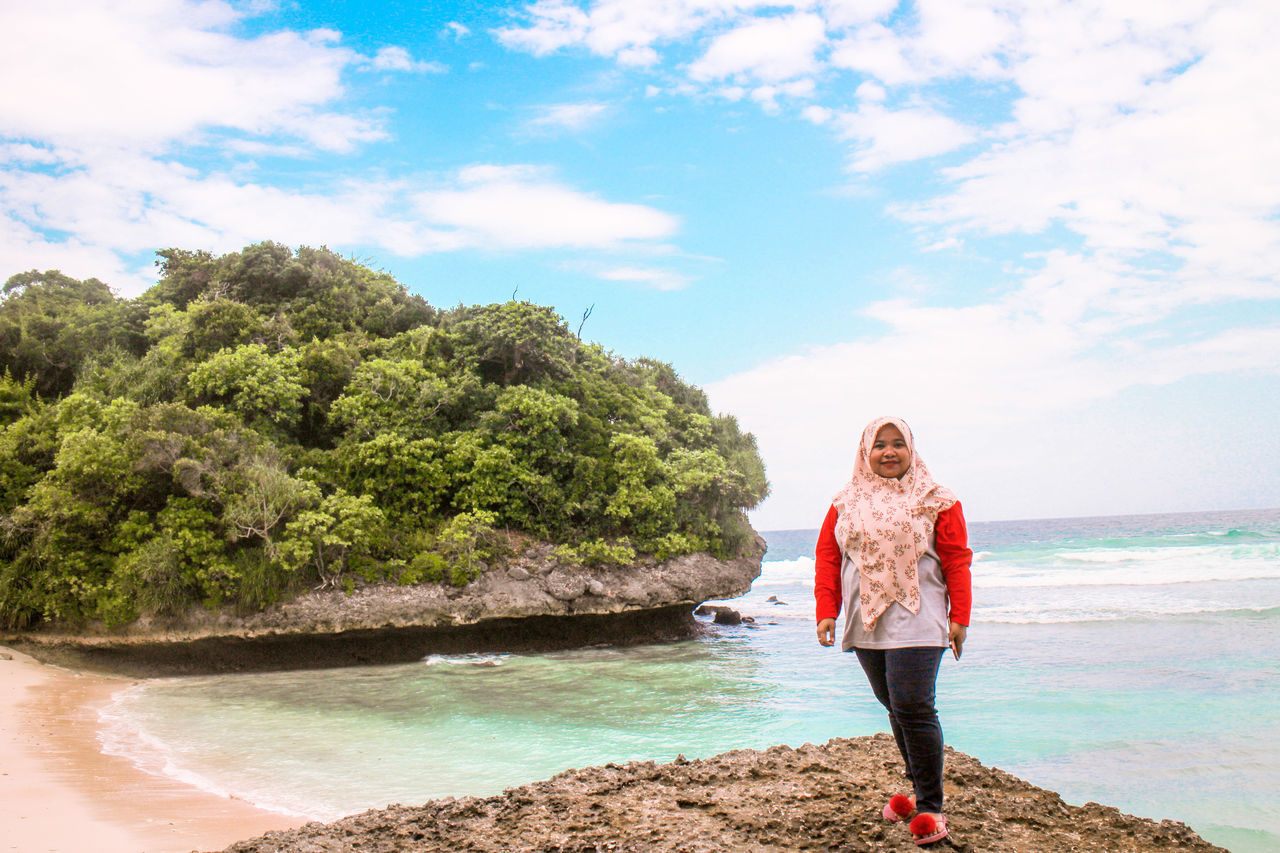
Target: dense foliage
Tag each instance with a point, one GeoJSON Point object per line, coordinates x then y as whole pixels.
{"type": "Point", "coordinates": [264, 421]}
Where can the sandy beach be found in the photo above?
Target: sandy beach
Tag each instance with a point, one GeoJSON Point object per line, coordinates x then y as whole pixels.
{"type": "Point", "coordinates": [60, 794]}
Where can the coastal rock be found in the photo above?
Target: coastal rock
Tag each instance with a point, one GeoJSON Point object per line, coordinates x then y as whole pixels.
{"type": "Point", "coordinates": [720, 614]}
{"type": "Point", "coordinates": [564, 586]}
{"type": "Point", "coordinates": [825, 797]}
{"type": "Point", "coordinates": [534, 602]}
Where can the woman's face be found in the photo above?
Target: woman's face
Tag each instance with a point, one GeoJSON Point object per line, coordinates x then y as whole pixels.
{"type": "Point", "coordinates": [889, 455]}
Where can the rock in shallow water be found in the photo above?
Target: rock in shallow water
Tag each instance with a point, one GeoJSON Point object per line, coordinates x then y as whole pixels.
{"type": "Point", "coordinates": [722, 615]}
{"type": "Point", "coordinates": [825, 797]}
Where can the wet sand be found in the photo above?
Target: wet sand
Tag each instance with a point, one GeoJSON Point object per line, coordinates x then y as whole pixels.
{"type": "Point", "coordinates": [60, 794]}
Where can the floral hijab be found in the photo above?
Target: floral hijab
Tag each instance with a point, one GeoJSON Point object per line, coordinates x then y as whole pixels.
{"type": "Point", "coordinates": [883, 525]}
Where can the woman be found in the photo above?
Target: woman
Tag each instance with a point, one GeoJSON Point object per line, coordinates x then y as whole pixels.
{"type": "Point", "coordinates": [893, 553]}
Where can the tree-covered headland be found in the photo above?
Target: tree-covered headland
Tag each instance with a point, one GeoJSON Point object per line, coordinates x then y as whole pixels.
{"type": "Point", "coordinates": [269, 421]}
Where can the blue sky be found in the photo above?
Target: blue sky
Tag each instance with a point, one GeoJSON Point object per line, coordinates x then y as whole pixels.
{"type": "Point", "coordinates": [1043, 232]}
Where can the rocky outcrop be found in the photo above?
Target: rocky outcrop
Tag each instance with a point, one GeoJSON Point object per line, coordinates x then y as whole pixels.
{"type": "Point", "coordinates": [533, 602]}
{"type": "Point", "coordinates": [813, 798]}
{"type": "Point", "coordinates": [722, 615]}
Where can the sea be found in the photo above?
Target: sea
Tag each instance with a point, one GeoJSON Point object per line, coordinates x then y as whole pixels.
{"type": "Point", "coordinates": [1129, 660]}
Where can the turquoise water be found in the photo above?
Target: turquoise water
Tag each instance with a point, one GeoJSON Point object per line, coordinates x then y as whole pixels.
{"type": "Point", "coordinates": [1131, 661]}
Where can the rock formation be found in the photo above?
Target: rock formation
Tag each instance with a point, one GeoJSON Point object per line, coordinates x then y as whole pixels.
{"type": "Point", "coordinates": [534, 602]}
{"type": "Point", "coordinates": [813, 798]}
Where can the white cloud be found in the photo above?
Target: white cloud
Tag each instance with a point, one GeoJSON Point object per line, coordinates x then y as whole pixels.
{"type": "Point", "coordinates": [571, 117]}
{"type": "Point", "coordinates": [456, 31]}
{"type": "Point", "coordinates": [146, 73]}
{"type": "Point", "coordinates": [884, 136]}
{"type": "Point", "coordinates": [952, 242]}
{"type": "Point", "coordinates": [817, 115]}
{"type": "Point", "coordinates": [768, 49]}
{"type": "Point", "coordinates": [638, 56]}
{"type": "Point", "coordinates": [22, 248]}
{"type": "Point", "coordinates": [97, 170]}
{"type": "Point", "coordinates": [878, 51]}
{"type": "Point", "coordinates": [1142, 129]}
{"type": "Point", "coordinates": [624, 29]}
{"type": "Point", "coordinates": [133, 205]}
{"type": "Point", "coordinates": [519, 207]}
{"type": "Point", "coordinates": [871, 91]}
{"type": "Point", "coordinates": [394, 58]}
{"type": "Point", "coordinates": [847, 13]}
{"type": "Point", "coordinates": [767, 96]}
{"type": "Point", "coordinates": [657, 279]}
{"type": "Point", "coordinates": [553, 24]}
{"type": "Point", "coordinates": [1161, 159]}
{"type": "Point", "coordinates": [26, 154]}
{"type": "Point", "coordinates": [127, 206]}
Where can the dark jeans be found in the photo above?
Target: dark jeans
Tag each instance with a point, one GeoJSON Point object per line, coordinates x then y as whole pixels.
{"type": "Point", "coordinates": [904, 681]}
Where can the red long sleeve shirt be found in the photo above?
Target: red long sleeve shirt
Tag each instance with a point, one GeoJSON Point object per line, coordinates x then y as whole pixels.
{"type": "Point", "coordinates": [951, 542]}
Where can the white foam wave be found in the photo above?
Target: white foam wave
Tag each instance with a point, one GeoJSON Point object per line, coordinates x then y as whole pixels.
{"type": "Point", "coordinates": [473, 659]}
{"type": "Point", "coordinates": [1140, 567]}
{"type": "Point", "coordinates": [786, 571]}
{"type": "Point", "coordinates": [1086, 567]}
{"type": "Point", "coordinates": [123, 733]}
{"type": "Point", "coordinates": [1119, 555]}
{"type": "Point", "coordinates": [1016, 615]}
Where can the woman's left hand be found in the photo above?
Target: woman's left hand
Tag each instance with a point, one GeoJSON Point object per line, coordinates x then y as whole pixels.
{"type": "Point", "coordinates": [956, 634]}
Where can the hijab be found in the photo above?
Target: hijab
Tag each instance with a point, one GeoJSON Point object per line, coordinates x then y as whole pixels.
{"type": "Point", "coordinates": [883, 525]}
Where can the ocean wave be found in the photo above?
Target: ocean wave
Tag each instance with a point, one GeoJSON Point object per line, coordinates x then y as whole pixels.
{"type": "Point", "coordinates": [1022, 579]}
{"type": "Point", "coordinates": [1067, 580]}
{"type": "Point", "coordinates": [472, 659]}
{"type": "Point", "coordinates": [1178, 552]}
{"type": "Point", "coordinates": [1020, 616]}
{"type": "Point", "coordinates": [122, 732]}
{"type": "Point", "coordinates": [1100, 567]}
{"type": "Point", "coordinates": [1133, 568]}
{"type": "Point", "coordinates": [786, 571]}
{"type": "Point", "coordinates": [1120, 555]}
{"type": "Point", "coordinates": [1240, 534]}
{"type": "Point", "coordinates": [1231, 533]}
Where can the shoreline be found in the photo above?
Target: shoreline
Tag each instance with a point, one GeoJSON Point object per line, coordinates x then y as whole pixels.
{"type": "Point", "coordinates": [58, 789]}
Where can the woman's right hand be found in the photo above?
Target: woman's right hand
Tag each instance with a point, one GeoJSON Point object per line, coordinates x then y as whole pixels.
{"type": "Point", "coordinates": [827, 632]}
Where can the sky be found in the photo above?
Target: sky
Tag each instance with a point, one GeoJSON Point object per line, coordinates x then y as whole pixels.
{"type": "Point", "coordinates": [1045, 233]}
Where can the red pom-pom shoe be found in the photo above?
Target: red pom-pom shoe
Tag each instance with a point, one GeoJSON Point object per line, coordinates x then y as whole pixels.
{"type": "Point", "coordinates": [927, 829]}
{"type": "Point", "coordinates": [899, 807]}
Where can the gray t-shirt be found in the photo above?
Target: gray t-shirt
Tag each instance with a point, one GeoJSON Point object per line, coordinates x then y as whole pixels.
{"type": "Point", "coordinates": [897, 627]}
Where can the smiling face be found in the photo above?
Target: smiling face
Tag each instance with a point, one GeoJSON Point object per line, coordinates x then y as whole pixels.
{"type": "Point", "coordinates": [890, 456]}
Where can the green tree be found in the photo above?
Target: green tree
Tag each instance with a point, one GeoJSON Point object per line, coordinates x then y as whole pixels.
{"type": "Point", "coordinates": [259, 385]}
{"type": "Point", "coordinates": [513, 342]}
{"type": "Point", "coordinates": [389, 396]}
{"type": "Point", "coordinates": [258, 498]}
{"type": "Point", "coordinates": [326, 538]}
{"type": "Point", "coordinates": [217, 324]}
{"type": "Point", "coordinates": [50, 322]}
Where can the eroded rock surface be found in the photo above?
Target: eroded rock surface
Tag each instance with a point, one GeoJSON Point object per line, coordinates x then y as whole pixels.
{"type": "Point", "coordinates": [825, 797]}
{"type": "Point", "coordinates": [533, 602]}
